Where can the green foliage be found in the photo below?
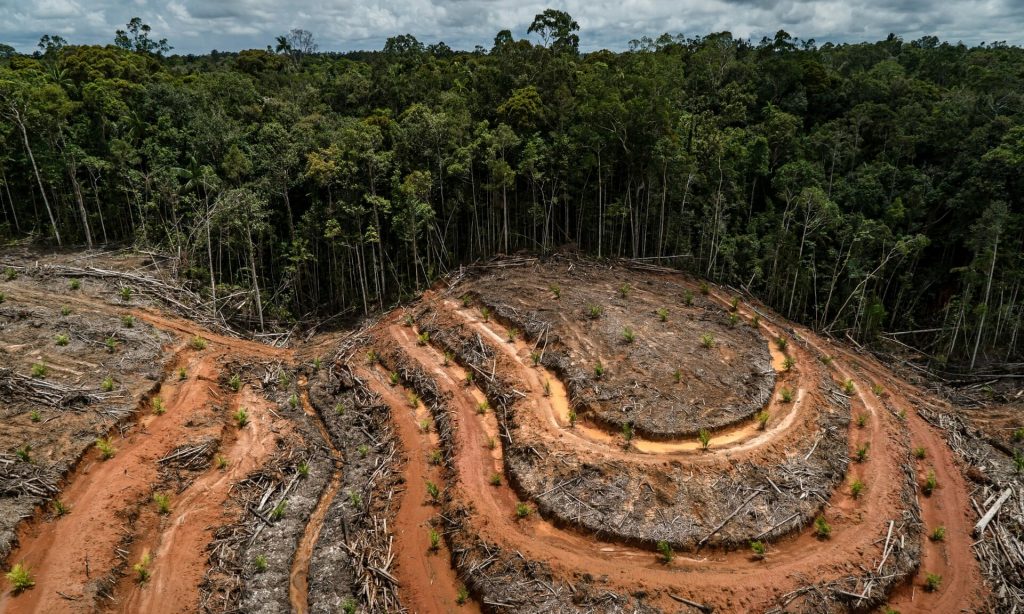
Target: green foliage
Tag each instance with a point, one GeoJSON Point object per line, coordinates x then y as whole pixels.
{"type": "Point", "coordinates": [704, 436]}
{"type": "Point", "coordinates": [677, 376]}
{"type": "Point", "coordinates": [485, 312]}
{"type": "Point", "coordinates": [74, 284]}
{"type": "Point", "coordinates": [349, 606]}
{"type": "Point", "coordinates": [198, 343]}
{"type": "Point", "coordinates": [461, 595]}
{"type": "Point", "coordinates": [278, 512]}
{"type": "Point", "coordinates": [707, 340]}
{"type": "Point", "coordinates": [862, 420]}
{"type": "Point", "coordinates": [241, 417]}
{"type": "Point", "coordinates": [665, 550]}
{"type": "Point", "coordinates": [781, 343]}
{"type": "Point", "coordinates": [235, 383]}
{"type": "Point", "coordinates": [932, 582]}
{"type": "Point", "coordinates": [60, 508]}
{"type": "Point", "coordinates": [221, 462]}
{"type": "Point", "coordinates": [704, 289]}
{"type": "Point", "coordinates": [433, 491]}
{"type": "Point", "coordinates": [393, 378]}
{"type": "Point", "coordinates": [127, 321]}
{"type": "Point", "coordinates": [435, 540]}
{"type": "Point", "coordinates": [594, 311]}
{"type": "Point", "coordinates": [111, 344]}
{"type": "Point", "coordinates": [788, 363]}
{"type": "Point", "coordinates": [938, 534]}
{"type": "Point", "coordinates": [158, 406]}
{"type": "Point", "coordinates": [163, 503]}
{"type": "Point", "coordinates": [762, 418]}
{"type": "Point", "coordinates": [628, 335]}
{"type": "Point", "coordinates": [688, 298]}
{"type": "Point", "coordinates": [259, 563]}
{"type": "Point", "coordinates": [624, 290]}
{"type": "Point", "coordinates": [930, 484]}
{"type": "Point", "coordinates": [786, 394]}
{"type": "Point", "coordinates": [363, 450]}
{"type": "Point", "coordinates": [107, 450]}
{"type": "Point", "coordinates": [535, 358]}
{"type": "Point", "coordinates": [303, 469]}
{"type": "Point", "coordinates": [556, 290]}
{"type": "Point", "coordinates": [919, 453]}
{"type": "Point", "coordinates": [495, 479]}
{"type": "Point", "coordinates": [861, 454]}
{"type": "Point", "coordinates": [758, 548]}
{"type": "Point", "coordinates": [182, 374]}
{"type": "Point", "coordinates": [523, 510]}
{"type": "Point", "coordinates": [141, 568]}
{"type": "Point", "coordinates": [822, 528]}
{"type": "Point", "coordinates": [627, 431]}
{"type": "Point", "coordinates": [293, 401]}
{"type": "Point", "coordinates": [39, 370]}
{"type": "Point", "coordinates": [24, 453]}
{"type": "Point", "coordinates": [10, 274]}
{"type": "Point", "coordinates": [20, 578]}
{"type": "Point", "coordinates": [126, 293]}
{"type": "Point", "coordinates": [35, 416]}
{"type": "Point", "coordinates": [423, 338]}
{"type": "Point", "coordinates": [848, 387]}
{"type": "Point", "coordinates": [856, 487]}
{"type": "Point", "coordinates": [61, 339]}
{"type": "Point", "coordinates": [483, 407]}
{"type": "Point", "coordinates": [598, 370]}
{"type": "Point", "coordinates": [663, 314]}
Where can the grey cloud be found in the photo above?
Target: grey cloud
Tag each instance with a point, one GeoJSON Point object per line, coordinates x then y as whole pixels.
{"type": "Point", "coordinates": [196, 26]}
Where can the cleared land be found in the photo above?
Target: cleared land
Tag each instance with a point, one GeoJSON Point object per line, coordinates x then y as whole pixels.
{"type": "Point", "coordinates": [535, 436]}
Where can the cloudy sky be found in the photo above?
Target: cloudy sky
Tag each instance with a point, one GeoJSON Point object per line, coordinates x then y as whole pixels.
{"type": "Point", "coordinates": [197, 26]}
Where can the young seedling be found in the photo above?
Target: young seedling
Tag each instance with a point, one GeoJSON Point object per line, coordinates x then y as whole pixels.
{"type": "Point", "coordinates": [278, 512]}
{"type": "Point", "coordinates": [355, 498]}
{"type": "Point", "coordinates": [512, 334]}
{"type": "Point", "coordinates": [461, 595]}
{"type": "Point", "coordinates": [35, 416]}
{"type": "Point", "coordinates": [235, 383]}
{"type": "Point", "coordinates": [786, 394]}
{"type": "Point", "coordinates": [492, 443]}
{"type": "Point", "coordinates": [486, 313]}
{"type": "Point", "coordinates": [663, 314]}
{"type": "Point", "coordinates": [407, 320]}
{"type": "Point", "coordinates": [781, 343]}
{"type": "Point", "coordinates": [127, 321]}
{"type": "Point", "coordinates": [707, 340]}
{"type": "Point", "coordinates": [665, 550]}
{"type": "Point", "coordinates": [221, 462]}
{"type": "Point", "coordinates": [677, 376]}
{"type": "Point", "coordinates": [598, 370]}
{"type": "Point", "coordinates": [704, 289]}
{"type": "Point", "coordinates": [62, 339]}
{"type": "Point", "coordinates": [1018, 435]}
{"type": "Point", "coordinates": [141, 568]}
{"type": "Point", "coordinates": [339, 409]}
{"type": "Point", "coordinates": [24, 453]}
{"type": "Point", "coordinates": [482, 407]}
{"type": "Point", "coordinates": [932, 582]}
{"type": "Point", "coordinates": [901, 415]}
{"type": "Point", "coordinates": [733, 320]}
{"type": "Point", "coordinates": [556, 290]}
{"type": "Point", "coordinates": [495, 479]}
{"type": "Point", "coordinates": [39, 370]}
{"type": "Point", "coordinates": [435, 457]}
{"type": "Point", "coordinates": [433, 491]}
{"type": "Point", "coordinates": [758, 548]}
{"type": "Point", "coordinates": [283, 379]}
{"type": "Point", "coordinates": [938, 534]}
{"type": "Point", "coordinates": [259, 563]}
{"type": "Point", "coordinates": [627, 432]}
{"type": "Point", "coordinates": [572, 417]}
{"type": "Point", "coordinates": [435, 540]}
{"type": "Point", "coordinates": [3, 297]}
{"type": "Point", "coordinates": [423, 338]}
{"type": "Point", "coordinates": [469, 377]}
{"type": "Point", "coordinates": [856, 487]}
{"type": "Point", "coordinates": [628, 335]}
{"type": "Point", "coordinates": [413, 399]}
{"type": "Point", "coordinates": [848, 387]}
{"type": "Point", "coordinates": [64, 310]}
{"type": "Point", "coordinates": [535, 358]}
{"type": "Point", "coordinates": [107, 385]}
{"type": "Point", "coordinates": [688, 298]}
{"type": "Point", "coordinates": [107, 450]}
{"type": "Point", "coordinates": [704, 436]}
{"type": "Point", "coordinates": [349, 606]}
{"type": "Point", "coordinates": [60, 508]}
{"type": "Point", "coordinates": [20, 578]}
{"type": "Point", "coordinates": [371, 358]}
{"type": "Point", "coordinates": [547, 388]}
{"type": "Point", "coordinates": [788, 363]}
{"type": "Point", "coordinates": [467, 300]}
{"type": "Point", "coordinates": [822, 528]}
{"type": "Point", "coordinates": [303, 469]}
{"type": "Point", "coordinates": [241, 417]}
{"type": "Point", "coordinates": [182, 373]}
{"type": "Point", "coordinates": [425, 425]}
{"type": "Point", "coordinates": [126, 293]}
{"type": "Point", "coordinates": [594, 311]}
{"type": "Point", "coordinates": [448, 358]}
{"type": "Point", "coordinates": [862, 453]}
{"type": "Point", "coordinates": [755, 321]}
{"type": "Point", "coordinates": [1018, 462]}
{"type": "Point", "coordinates": [363, 450]}
{"type": "Point", "coordinates": [734, 304]}
{"type": "Point", "coordinates": [877, 390]}
{"type": "Point", "coordinates": [74, 284]}
{"type": "Point", "coordinates": [111, 344]}
{"type": "Point", "coordinates": [930, 484]}
{"type": "Point", "coordinates": [522, 510]}
{"type": "Point", "coordinates": [393, 378]}
{"type": "Point", "coordinates": [762, 419]}
{"type": "Point", "coordinates": [293, 401]}
{"type": "Point", "coordinates": [198, 343]}
{"type": "Point", "coordinates": [158, 406]}
{"type": "Point", "coordinates": [163, 503]}
{"type": "Point", "coordinates": [317, 363]}
{"type": "Point", "coordinates": [862, 420]}
{"type": "Point", "coordinates": [919, 453]}
{"type": "Point", "coordinates": [826, 360]}
{"type": "Point", "coordinates": [624, 290]}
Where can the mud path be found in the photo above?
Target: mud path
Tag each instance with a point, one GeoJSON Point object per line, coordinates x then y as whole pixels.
{"type": "Point", "coordinates": [734, 580]}
{"type": "Point", "coordinates": [298, 580]}
{"type": "Point", "coordinates": [429, 584]}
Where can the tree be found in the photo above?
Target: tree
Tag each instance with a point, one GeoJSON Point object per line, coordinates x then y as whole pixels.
{"type": "Point", "coordinates": [136, 38]}
{"type": "Point", "coordinates": [557, 29]}
{"type": "Point", "coordinates": [297, 44]}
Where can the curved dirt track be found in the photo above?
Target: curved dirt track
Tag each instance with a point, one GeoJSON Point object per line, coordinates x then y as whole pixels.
{"type": "Point", "coordinates": [731, 581]}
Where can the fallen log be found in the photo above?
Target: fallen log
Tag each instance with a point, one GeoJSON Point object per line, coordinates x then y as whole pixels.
{"type": "Point", "coordinates": [991, 513]}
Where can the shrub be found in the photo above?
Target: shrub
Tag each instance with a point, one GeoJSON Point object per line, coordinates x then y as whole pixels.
{"type": "Point", "coordinates": [598, 369]}
{"type": "Point", "coordinates": [260, 563]}
{"type": "Point", "coordinates": [930, 484]}
{"type": "Point", "coordinates": [64, 310]}
{"type": "Point", "coordinates": [663, 314]}
{"type": "Point", "coordinates": [126, 293]}
{"type": "Point", "coordinates": [856, 487]}
{"type": "Point", "coordinates": [141, 568]}
{"type": "Point", "coordinates": [20, 578]}
{"type": "Point", "coordinates": [822, 528]}
{"type": "Point", "coordinates": [235, 382]}
{"type": "Point", "coordinates": [594, 311]}
{"type": "Point", "coordinates": [758, 548]}
{"type": "Point", "coordinates": [74, 284]}
{"type": "Point", "coordinates": [35, 416]}
{"type": "Point", "coordinates": [665, 550]}
{"type": "Point", "coordinates": [556, 290]}
{"type": "Point", "coordinates": [762, 419]}
{"type": "Point", "coordinates": [788, 363]}
{"type": "Point", "coordinates": [707, 340]}
{"type": "Point", "coordinates": [848, 386]}
{"type": "Point", "coordinates": [705, 438]}
{"type": "Point", "coordinates": [278, 512]}
{"type": "Point", "coordinates": [107, 450]}
{"type": "Point", "coordinates": [919, 453]}
{"type": "Point", "coordinates": [433, 491]}
{"type": "Point", "coordinates": [158, 406]}
{"type": "Point", "coordinates": [862, 420]}
{"type": "Point", "coordinates": [127, 321]}
{"type": "Point", "coordinates": [198, 343]}
{"type": "Point", "coordinates": [486, 313]}
{"type": "Point", "coordinates": [688, 298]}
{"type": "Point", "coordinates": [435, 540]}
{"type": "Point", "coordinates": [241, 417]}
{"type": "Point", "coordinates": [938, 534]}
{"type": "Point", "coordinates": [624, 290]}
{"type": "Point", "coordinates": [163, 503]}
{"type": "Point", "coordinates": [39, 370]}
{"type": "Point", "coordinates": [628, 335]}
{"type": "Point", "coordinates": [62, 339]}
{"type": "Point", "coordinates": [786, 394]}
{"type": "Point", "coordinates": [932, 582]}
{"type": "Point", "coordinates": [303, 469]}
{"type": "Point", "coordinates": [462, 595]}
{"type": "Point", "coordinates": [495, 479]}
{"type": "Point", "coordinates": [522, 510]}
{"type": "Point", "coordinates": [862, 453]}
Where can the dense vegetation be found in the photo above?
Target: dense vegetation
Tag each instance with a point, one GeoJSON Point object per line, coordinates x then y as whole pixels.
{"type": "Point", "coordinates": [857, 188]}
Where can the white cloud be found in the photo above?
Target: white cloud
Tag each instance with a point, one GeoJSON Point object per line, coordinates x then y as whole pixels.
{"type": "Point", "coordinates": [199, 25]}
